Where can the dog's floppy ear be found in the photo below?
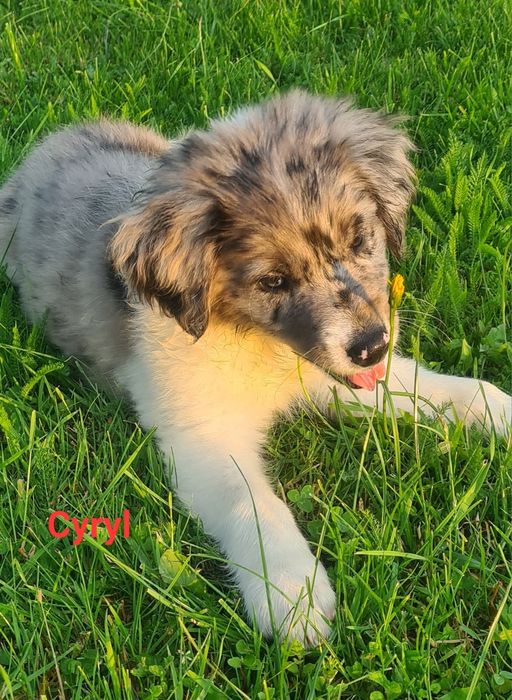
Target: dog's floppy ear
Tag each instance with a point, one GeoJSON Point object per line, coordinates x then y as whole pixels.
{"type": "Point", "coordinates": [164, 254]}
{"type": "Point", "coordinates": [391, 180]}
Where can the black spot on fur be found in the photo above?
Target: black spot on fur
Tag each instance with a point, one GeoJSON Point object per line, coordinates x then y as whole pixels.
{"type": "Point", "coordinates": [360, 195]}
{"type": "Point", "coordinates": [8, 205]}
{"type": "Point", "coordinates": [296, 325]}
{"type": "Point", "coordinates": [344, 298]}
{"type": "Point", "coordinates": [172, 301]}
{"type": "Point", "coordinates": [235, 244]}
{"type": "Point", "coordinates": [218, 224]}
{"type": "Point", "coordinates": [189, 148]}
{"type": "Point", "coordinates": [221, 231]}
{"type": "Point", "coordinates": [277, 128]}
{"type": "Point", "coordinates": [319, 241]}
{"type": "Point", "coordinates": [404, 185]}
{"type": "Point", "coordinates": [115, 283]}
{"type": "Point", "coordinates": [379, 157]}
{"type": "Point", "coordinates": [187, 307]}
{"type": "Point", "coordinates": [212, 173]}
{"type": "Point", "coordinates": [356, 222]}
{"type": "Point", "coordinates": [242, 179]}
{"type": "Point", "coordinates": [251, 156]}
{"type": "Point", "coordinates": [161, 221]}
{"type": "Point", "coordinates": [306, 271]}
{"type": "Point", "coordinates": [295, 166]}
{"type": "Point", "coordinates": [330, 154]}
{"type": "Point", "coordinates": [236, 278]}
{"type": "Point", "coordinates": [311, 189]}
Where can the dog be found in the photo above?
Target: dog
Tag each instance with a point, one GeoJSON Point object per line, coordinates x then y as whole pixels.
{"type": "Point", "coordinates": [220, 278]}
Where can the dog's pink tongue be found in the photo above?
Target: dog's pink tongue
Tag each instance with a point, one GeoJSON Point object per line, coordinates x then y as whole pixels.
{"type": "Point", "coordinates": [366, 380]}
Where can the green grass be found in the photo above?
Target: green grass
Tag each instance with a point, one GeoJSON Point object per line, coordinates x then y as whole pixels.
{"type": "Point", "coordinates": [415, 528]}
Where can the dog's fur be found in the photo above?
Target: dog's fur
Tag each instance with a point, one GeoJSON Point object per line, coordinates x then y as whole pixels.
{"type": "Point", "coordinates": [214, 278]}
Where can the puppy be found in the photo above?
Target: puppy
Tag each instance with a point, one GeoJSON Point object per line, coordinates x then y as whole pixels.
{"type": "Point", "coordinates": [219, 278]}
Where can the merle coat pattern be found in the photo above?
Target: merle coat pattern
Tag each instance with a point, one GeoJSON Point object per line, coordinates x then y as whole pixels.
{"type": "Point", "coordinates": [220, 278]}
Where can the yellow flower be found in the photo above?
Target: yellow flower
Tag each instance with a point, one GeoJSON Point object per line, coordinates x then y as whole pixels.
{"type": "Point", "coordinates": [397, 291]}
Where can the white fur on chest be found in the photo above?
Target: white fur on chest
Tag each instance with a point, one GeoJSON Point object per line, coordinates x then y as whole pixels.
{"type": "Point", "coordinates": [225, 382]}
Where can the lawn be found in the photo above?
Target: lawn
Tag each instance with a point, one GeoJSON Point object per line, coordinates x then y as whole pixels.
{"type": "Point", "coordinates": [412, 521]}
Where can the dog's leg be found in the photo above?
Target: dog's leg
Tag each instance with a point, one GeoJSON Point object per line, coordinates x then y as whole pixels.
{"type": "Point", "coordinates": [285, 588]}
{"type": "Point", "coordinates": [414, 388]}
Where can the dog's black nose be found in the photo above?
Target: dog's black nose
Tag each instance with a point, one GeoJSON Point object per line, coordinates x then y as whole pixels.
{"type": "Point", "coordinates": [369, 347]}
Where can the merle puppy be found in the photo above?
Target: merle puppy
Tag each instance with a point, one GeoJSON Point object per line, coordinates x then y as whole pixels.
{"type": "Point", "coordinates": [217, 279]}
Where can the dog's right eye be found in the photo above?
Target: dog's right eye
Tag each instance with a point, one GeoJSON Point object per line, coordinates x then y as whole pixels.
{"type": "Point", "coordinates": [273, 283]}
{"type": "Point", "coordinates": [357, 243]}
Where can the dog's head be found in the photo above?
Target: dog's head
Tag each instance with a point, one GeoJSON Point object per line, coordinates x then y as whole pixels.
{"type": "Point", "coordinates": [277, 219]}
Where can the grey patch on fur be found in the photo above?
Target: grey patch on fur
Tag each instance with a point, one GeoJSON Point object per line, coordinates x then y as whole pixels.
{"type": "Point", "coordinates": [66, 189]}
{"type": "Point", "coordinates": [349, 282]}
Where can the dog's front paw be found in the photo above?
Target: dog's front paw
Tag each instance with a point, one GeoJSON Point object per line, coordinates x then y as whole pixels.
{"type": "Point", "coordinates": [485, 405]}
{"type": "Point", "coordinates": [296, 603]}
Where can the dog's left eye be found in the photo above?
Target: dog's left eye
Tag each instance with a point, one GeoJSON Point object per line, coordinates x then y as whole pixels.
{"type": "Point", "coordinates": [358, 242]}
{"type": "Point", "coordinates": [273, 283]}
